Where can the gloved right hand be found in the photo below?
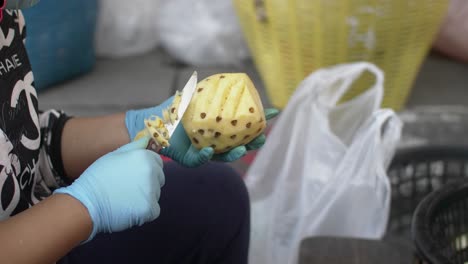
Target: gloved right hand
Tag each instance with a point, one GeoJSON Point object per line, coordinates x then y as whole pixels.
{"type": "Point", "coordinates": [120, 189]}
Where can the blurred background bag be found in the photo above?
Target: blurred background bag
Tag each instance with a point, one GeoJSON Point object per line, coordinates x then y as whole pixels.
{"type": "Point", "coordinates": [453, 36]}
{"type": "Point", "coordinates": [202, 32]}
{"type": "Point", "coordinates": [126, 28]}
{"type": "Point", "coordinates": [322, 171]}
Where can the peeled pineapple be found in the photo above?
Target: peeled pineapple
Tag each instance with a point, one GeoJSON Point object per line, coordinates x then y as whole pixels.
{"type": "Point", "coordinates": [225, 112]}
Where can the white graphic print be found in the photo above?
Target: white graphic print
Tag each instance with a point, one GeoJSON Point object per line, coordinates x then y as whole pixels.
{"type": "Point", "coordinates": [10, 167]}
{"type": "Point", "coordinates": [28, 177]}
{"type": "Point", "coordinates": [20, 21]}
{"type": "Point", "coordinates": [5, 41]}
{"type": "Point", "coordinates": [26, 85]}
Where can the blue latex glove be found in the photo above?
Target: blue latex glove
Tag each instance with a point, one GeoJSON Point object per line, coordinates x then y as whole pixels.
{"type": "Point", "coordinates": [121, 189]}
{"type": "Point", "coordinates": [181, 148]}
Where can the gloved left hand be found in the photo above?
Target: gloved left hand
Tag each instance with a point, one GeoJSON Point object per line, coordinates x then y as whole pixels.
{"type": "Point", "coordinates": [181, 149]}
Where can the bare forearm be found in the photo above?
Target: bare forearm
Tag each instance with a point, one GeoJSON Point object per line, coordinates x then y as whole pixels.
{"type": "Point", "coordinates": [45, 232]}
{"type": "Point", "coordinates": [86, 139]}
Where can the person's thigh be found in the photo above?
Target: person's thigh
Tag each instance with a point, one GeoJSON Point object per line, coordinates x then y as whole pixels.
{"type": "Point", "coordinates": [204, 219]}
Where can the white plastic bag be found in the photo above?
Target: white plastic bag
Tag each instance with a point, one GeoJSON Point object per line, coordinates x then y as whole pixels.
{"type": "Point", "coordinates": [322, 171]}
{"type": "Point", "coordinates": [202, 32]}
{"type": "Point", "coordinates": [126, 28]}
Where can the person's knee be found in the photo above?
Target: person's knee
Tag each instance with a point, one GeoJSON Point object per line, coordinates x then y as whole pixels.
{"type": "Point", "coordinates": [209, 203]}
{"type": "Point", "coordinates": [218, 186]}
{"type": "Point", "coordinates": [229, 202]}
{"type": "Point", "coordinates": [220, 175]}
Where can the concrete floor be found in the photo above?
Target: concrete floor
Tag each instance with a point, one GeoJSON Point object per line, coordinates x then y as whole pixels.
{"type": "Point", "coordinates": [120, 84]}
{"type": "Point", "coordinates": [441, 81]}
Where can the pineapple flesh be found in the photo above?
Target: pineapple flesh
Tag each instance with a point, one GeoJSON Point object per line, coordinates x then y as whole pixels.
{"type": "Point", "coordinates": [226, 111]}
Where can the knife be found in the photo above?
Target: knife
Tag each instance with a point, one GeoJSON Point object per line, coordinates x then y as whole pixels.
{"type": "Point", "coordinates": [187, 94]}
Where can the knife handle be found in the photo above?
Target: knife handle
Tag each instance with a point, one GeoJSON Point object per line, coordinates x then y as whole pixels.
{"type": "Point", "coordinates": [153, 146]}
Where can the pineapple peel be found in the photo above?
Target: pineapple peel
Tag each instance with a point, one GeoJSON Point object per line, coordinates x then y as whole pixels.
{"type": "Point", "coordinates": [155, 126]}
{"type": "Point", "coordinates": [225, 112]}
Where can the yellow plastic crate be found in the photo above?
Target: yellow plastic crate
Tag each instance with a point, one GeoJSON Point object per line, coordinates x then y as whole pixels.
{"type": "Point", "coordinates": [291, 39]}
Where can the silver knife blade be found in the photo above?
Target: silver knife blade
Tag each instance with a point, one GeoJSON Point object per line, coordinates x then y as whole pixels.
{"type": "Point", "coordinates": [187, 94]}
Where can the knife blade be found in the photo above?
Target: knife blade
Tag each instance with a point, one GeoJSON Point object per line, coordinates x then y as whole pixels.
{"type": "Point", "coordinates": [187, 94]}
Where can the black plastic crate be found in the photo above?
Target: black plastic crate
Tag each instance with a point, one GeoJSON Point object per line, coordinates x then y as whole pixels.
{"type": "Point", "coordinates": [415, 173]}
{"type": "Point", "coordinates": [440, 225]}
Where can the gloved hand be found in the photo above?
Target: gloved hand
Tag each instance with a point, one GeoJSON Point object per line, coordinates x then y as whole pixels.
{"type": "Point", "coordinates": [121, 189]}
{"type": "Point", "coordinates": [181, 148]}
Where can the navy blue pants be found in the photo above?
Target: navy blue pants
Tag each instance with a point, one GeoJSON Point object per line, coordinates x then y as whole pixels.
{"type": "Point", "coordinates": [205, 218]}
